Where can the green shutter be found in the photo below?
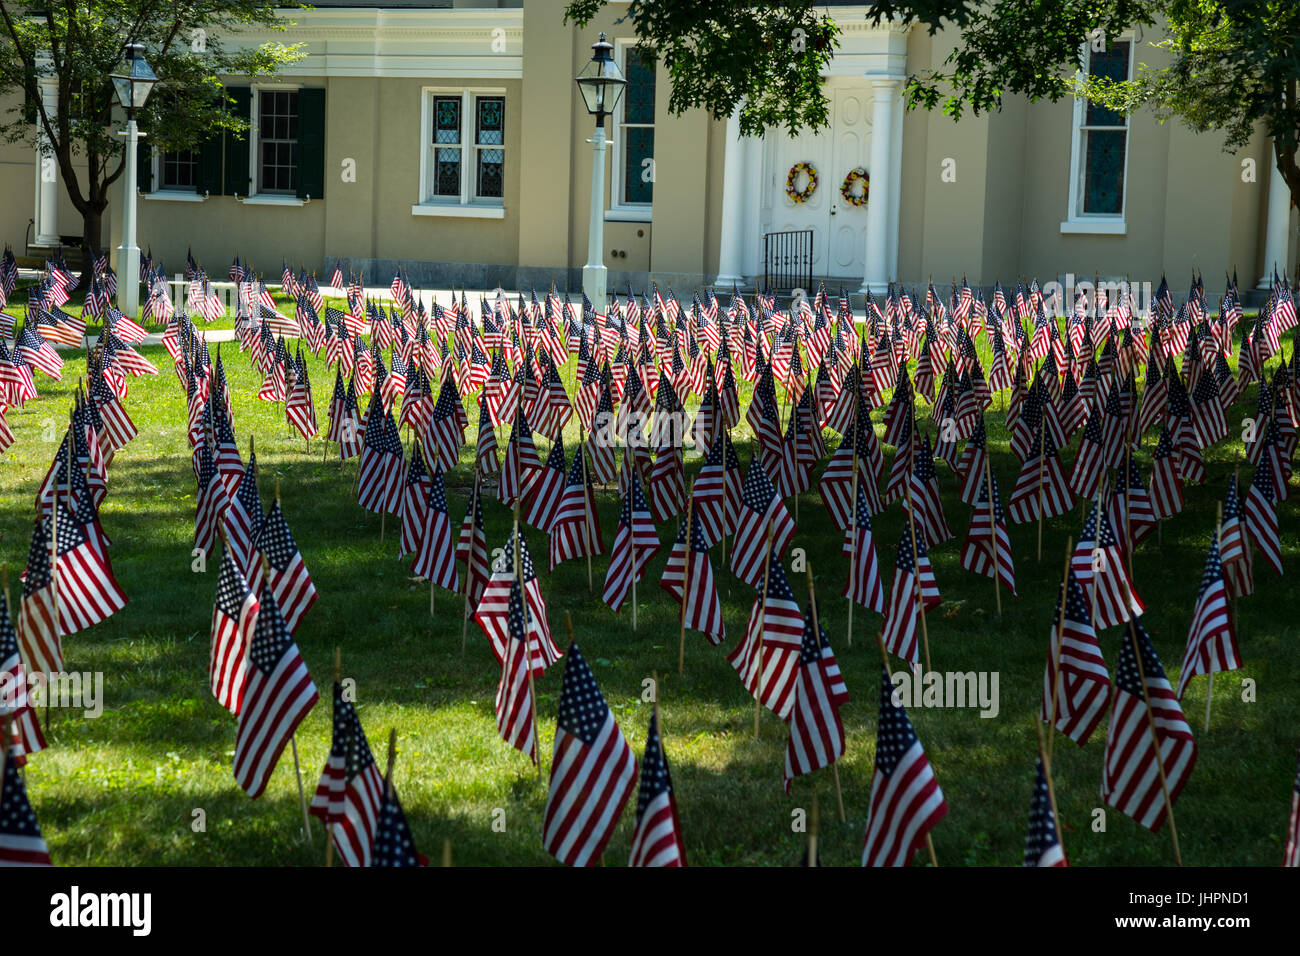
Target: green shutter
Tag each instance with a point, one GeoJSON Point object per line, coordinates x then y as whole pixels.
{"type": "Point", "coordinates": [143, 167]}
{"type": "Point", "coordinates": [237, 146]}
{"type": "Point", "coordinates": [311, 143]}
{"type": "Point", "coordinates": [209, 173]}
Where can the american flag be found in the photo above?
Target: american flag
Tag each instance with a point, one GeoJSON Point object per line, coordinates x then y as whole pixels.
{"type": "Point", "coordinates": [278, 695]}
{"type": "Point", "coordinates": [688, 577]}
{"type": "Point", "coordinates": [515, 708]}
{"type": "Point", "coordinates": [760, 507]}
{"type": "Point", "coordinates": [667, 484]}
{"type": "Point", "coordinates": [394, 845]}
{"type": "Point", "coordinates": [1212, 640]}
{"type": "Point", "coordinates": [243, 523]}
{"type": "Point", "coordinates": [1083, 691]}
{"type": "Point", "coordinates": [383, 462]}
{"type": "Point", "coordinates": [212, 500]}
{"type": "Point", "coordinates": [1261, 516]}
{"type": "Point", "coordinates": [635, 542]}
{"type": "Point", "coordinates": [289, 580]}
{"type": "Point", "coordinates": [657, 839]}
{"type": "Point", "coordinates": [21, 843]}
{"type": "Point", "coordinates": [519, 470]}
{"type": "Point", "coordinates": [575, 532]}
{"type": "Point", "coordinates": [15, 707]}
{"type": "Point", "coordinates": [987, 550]}
{"type": "Point", "coordinates": [544, 496]}
{"type": "Point", "coordinates": [1238, 570]}
{"type": "Point", "coordinates": [1091, 461]}
{"type": "Point", "coordinates": [927, 505]}
{"type": "Point", "coordinates": [592, 771]}
{"type": "Point", "coordinates": [471, 546]}
{"type": "Point", "coordinates": [816, 731]}
{"type": "Point", "coordinates": [1042, 488]}
{"type": "Point", "coordinates": [1131, 780]}
{"type": "Point", "coordinates": [906, 802]}
{"type": "Point", "coordinates": [415, 503]}
{"type": "Point", "coordinates": [494, 605]}
{"type": "Point", "coordinates": [1043, 845]}
{"type": "Point", "coordinates": [234, 620]}
{"type": "Point", "coordinates": [350, 790]}
{"type": "Point", "coordinates": [435, 557]}
{"type": "Point", "coordinates": [863, 584]}
{"type": "Point", "coordinates": [1098, 563]}
{"type": "Point", "coordinates": [1166, 482]}
{"type": "Point", "coordinates": [912, 574]}
{"type": "Point", "coordinates": [767, 657]}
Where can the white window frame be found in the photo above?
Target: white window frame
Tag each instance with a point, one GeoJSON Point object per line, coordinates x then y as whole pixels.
{"type": "Point", "coordinates": [617, 210]}
{"type": "Point", "coordinates": [169, 193]}
{"type": "Point", "coordinates": [254, 161]}
{"type": "Point", "coordinates": [468, 204]}
{"type": "Point", "coordinates": [1077, 221]}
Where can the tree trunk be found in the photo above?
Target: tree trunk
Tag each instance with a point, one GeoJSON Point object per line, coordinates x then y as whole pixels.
{"type": "Point", "coordinates": [92, 227]}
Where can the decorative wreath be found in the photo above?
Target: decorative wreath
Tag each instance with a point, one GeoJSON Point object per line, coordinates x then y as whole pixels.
{"type": "Point", "coordinates": [798, 196]}
{"type": "Point", "coordinates": [856, 175]}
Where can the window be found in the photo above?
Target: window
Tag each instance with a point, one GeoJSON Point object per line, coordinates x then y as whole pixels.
{"type": "Point", "coordinates": [1098, 161]}
{"type": "Point", "coordinates": [277, 141]}
{"type": "Point", "coordinates": [464, 152]}
{"type": "Point", "coordinates": [178, 170]}
{"type": "Point", "coordinates": [634, 135]}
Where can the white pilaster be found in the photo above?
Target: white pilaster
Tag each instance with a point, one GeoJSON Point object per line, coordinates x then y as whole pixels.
{"type": "Point", "coordinates": [1277, 233]}
{"type": "Point", "coordinates": [731, 248]}
{"type": "Point", "coordinates": [752, 219]}
{"type": "Point", "coordinates": [46, 232]}
{"type": "Point", "coordinates": [884, 90]}
{"type": "Point", "coordinates": [896, 177]}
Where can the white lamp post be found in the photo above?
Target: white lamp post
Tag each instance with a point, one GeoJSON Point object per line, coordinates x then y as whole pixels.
{"type": "Point", "coordinates": [601, 83]}
{"type": "Point", "coordinates": [133, 89]}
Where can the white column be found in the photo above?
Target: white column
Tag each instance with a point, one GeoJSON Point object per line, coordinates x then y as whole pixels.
{"type": "Point", "coordinates": [594, 273]}
{"type": "Point", "coordinates": [896, 177]}
{"type": "Point", "coordinates": [46, 230]}
{"type": "Point", "coordinates": [876, 278]}
{"type": "Point", "coordinates": [752, 198]}
{"type": "Point", "coordinates": [731, 247]}
{"type": "Point", "coordinates": [1277, 235]}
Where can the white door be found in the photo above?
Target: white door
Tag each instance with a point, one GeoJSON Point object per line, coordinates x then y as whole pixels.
{"type": "Point", "coordinates": [839, 228]}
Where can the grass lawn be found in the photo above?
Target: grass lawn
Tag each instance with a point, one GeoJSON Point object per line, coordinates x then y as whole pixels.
{"type": "Point", "coordinates": [123, 789]}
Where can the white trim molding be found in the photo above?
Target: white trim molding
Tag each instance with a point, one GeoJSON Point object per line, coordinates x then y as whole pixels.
{"type": "Point", "coordinates": [468, 205]}
{"type": "Point", "coordinates": [175, 195]}
{"type": "Point", "coordinates": [458, 211]}
{"type": "Point", "coordinates": [1078, 222]}
{"type": "Point", "coordinates": [439, 43]}
{"type": "Point", "coordinates": [616, 210]}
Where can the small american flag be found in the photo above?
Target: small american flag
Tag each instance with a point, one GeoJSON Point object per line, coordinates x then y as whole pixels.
{"type": "Point", "coordinates": [15, 706]}
{"type": "Point", "coordinates": [863, 583]}
{"type": "Point", "coordinates": [278, 695]}
{"type": "Point", "coordinates": [987, 550]}
{"type": "Point", "coordinates": [912, 578]}
{"type": "Point", "coordinates": [592, 771]}
{"type": "Point", "coordinates": [1083, 690]}
{"type": "Point", "coordinates": [1261, 516]}
{"type": "Point", "coordinates": [515, 708]}
{"type": "Point", "coordinates": [1130, 780]}
{"type": "Point", "coordinates": [1212, 640]}
{"type": "Point", "coordinates": [435, 560]}
{"type": "Point", "coordinates": [767, 658]}
{"type": "Point", "coordinates": [350, 790]}
{"type": "Point", "coordinates": [635, 542]}
{"type": "Point", "coordinates": [906, 802]}
{"type": "Point", "coordinates": [688, 577]}
{"type": "Point", "coordinates": [657, 839]}
{"type": "Point", "coordinates": [816, 732]}
{"type": "Point", "coordinates": [234, 620]}
{"type": "Point", "coordinates": [759, 507]}
{"type": "Point", "coordinates": [1043, 844]}
{"type": "Point", "coordinates": [1292, 857]}
{"type": "Point", "coordinates": [21, 843]}
{"type": "Point", "coordinates": [289, 580]}
{"type": "Point", "coordinates": [394, 845]}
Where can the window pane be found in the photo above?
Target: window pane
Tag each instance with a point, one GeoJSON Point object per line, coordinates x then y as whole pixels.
{"type": "Point", "coordinates": [446, 119]}
{"type": "Point", "coordinates": [491, 120]}
{"type": "Point", "coordinates": [1111, 64]}
{"type": "Point", "coordinates": [491, 173]}
{"type": "Point", "coordinates": [278, 132]}
{"type": "Point", "coordinates": [1103, 187]}
{"type": "Point", "coordinates": [179, 170]}
{"type": "Point", "coordinates": [446, 181]}
{"type": "Point", "coordinates": [639, 97]}
{"type": "Point", "coordinates": [638, 185]}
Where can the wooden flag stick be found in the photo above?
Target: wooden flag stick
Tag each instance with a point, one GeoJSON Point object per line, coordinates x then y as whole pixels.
{"type": "Point", "coordinates": [1209, 687]}
{"type": "Point", "coordinates": [1060, 640]}
{"type": "Point", "coordinates": [392, 760]}
{"type": "Point", "coordinates": [528, 641]}
{"type": "Point", "coordinates": [1042, 464]}
{"type": "Point", "coordinates": [817, 633]}
{"type": "Point", "coordinates": [1155, 738]}
{"type": "Point", "coordinates": [813, 822]}
{"type": "Point", "coordinates": [853, 510]}
{"type": "Point", "coordinates": [587, 544]}
{"type": "Point", "coordinates": [762, 622]}
{"type": "Point", "coordinates": [469, 559]}
{"type": "Point", "coordinates": [1051, 787]}
{"type": "Point", "coordinates": [993, 532]}
{"type": "Point", "coordinates": [916, 578]}
{"type": "Point", "coordinates": [302, 794]}
{"type": "Point", "coordinates": [329, 828]}
{"type": "Point", "coordinates": [686, 584]}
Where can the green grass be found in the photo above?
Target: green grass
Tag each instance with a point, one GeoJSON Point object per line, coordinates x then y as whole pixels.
{"type": "Point", "coordinates": [122, 789]}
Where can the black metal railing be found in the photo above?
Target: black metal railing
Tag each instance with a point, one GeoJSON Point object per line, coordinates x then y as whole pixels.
{"type": "Point", "coordinates": [787, 260]}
